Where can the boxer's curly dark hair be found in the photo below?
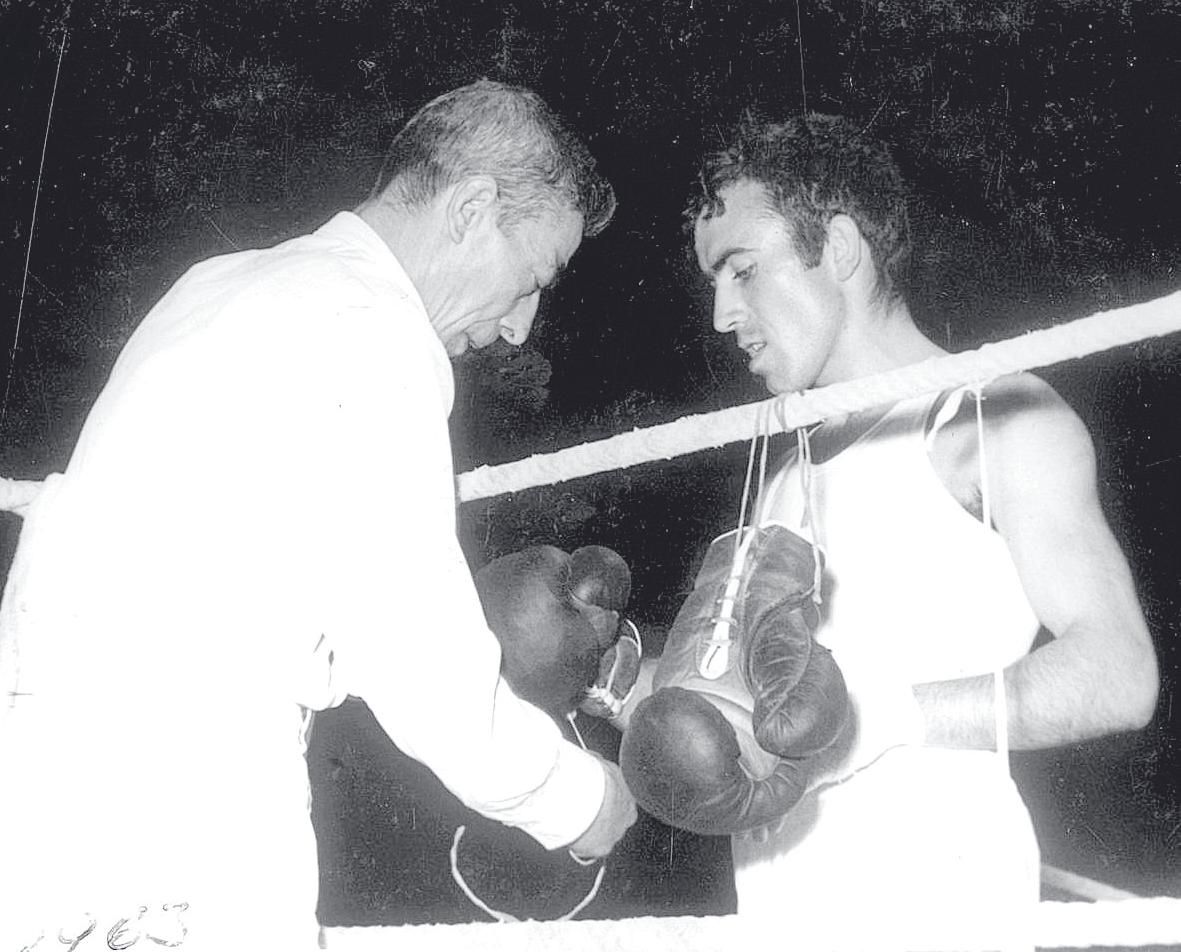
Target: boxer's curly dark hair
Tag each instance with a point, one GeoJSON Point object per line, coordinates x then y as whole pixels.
{"type": "Point", "coordinates": [814, 167]}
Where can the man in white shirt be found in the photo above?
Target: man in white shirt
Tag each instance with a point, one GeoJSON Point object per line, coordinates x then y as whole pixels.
{"type": "Point", "coordinates": [257, 520]}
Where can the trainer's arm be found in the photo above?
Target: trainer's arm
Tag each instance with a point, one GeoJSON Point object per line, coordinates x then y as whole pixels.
{"type": "Point", "coordinates": [1098, 675]}
{"type": "Point", "coordinates": [401, 610]}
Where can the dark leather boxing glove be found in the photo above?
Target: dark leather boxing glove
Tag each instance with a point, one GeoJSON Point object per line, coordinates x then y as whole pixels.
{"type": "Point", "coordinates": [555, 614]}
{"type": "Point", "coordinates": [600, 584]}
{"type": "Point", "coordinates": [549, 651]}
{"type": "Point", "coordinates": [683, 762]}
{"type": "Point", "coordinates": [798, 692]}
{"type": "Point", "coordinates": [600, 580]}
{"type": "Point", "coordinates": [741, 645]}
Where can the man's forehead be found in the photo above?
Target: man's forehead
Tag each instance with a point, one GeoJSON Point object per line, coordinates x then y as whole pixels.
{"type": "Point", "coordinates": [746, 197]}
{"type": "Point", "coordinates": [742, 204]}
{"type": "Point", "coordinates": [555, 234]}
{"type": "Point", "coordinates": [745, 211]}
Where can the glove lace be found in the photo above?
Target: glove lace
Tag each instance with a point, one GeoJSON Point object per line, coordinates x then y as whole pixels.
{"type": "Point", "coordinates": [714, 659]}
{"type": "Point", "coordinates": [604, 694]}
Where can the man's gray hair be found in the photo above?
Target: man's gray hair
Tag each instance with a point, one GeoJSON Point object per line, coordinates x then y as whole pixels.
{"type": "Point", "coordinates": [509, 134]}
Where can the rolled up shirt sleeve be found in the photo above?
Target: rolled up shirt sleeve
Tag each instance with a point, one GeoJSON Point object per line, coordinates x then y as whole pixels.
{"type": "Point", "coordinates": [400, 607]}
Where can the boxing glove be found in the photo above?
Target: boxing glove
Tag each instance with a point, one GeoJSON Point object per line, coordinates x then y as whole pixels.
{"type": "Point", "coordinates": [743, 696]}
{"type": "Point", "coordinates": [555, 615]}
{"type": "Point", "coordinates": [600, 581]}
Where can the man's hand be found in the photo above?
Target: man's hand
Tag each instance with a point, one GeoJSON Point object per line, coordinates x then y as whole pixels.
{"type": "Point", "coordinates": [16, 495]}
{"type": "Point", "coordinates": [616, 815]}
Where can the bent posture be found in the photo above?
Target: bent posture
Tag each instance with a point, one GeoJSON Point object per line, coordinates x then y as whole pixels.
{"type": "Point", "coordinates": [184, 594]}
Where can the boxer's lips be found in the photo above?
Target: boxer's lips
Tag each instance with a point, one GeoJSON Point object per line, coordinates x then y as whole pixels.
{"type": "Point", "coordinates": [752, 349]}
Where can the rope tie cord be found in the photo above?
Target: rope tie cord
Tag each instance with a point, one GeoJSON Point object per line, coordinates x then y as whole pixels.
{"type": "Point", "coordinates": [1041, 348]}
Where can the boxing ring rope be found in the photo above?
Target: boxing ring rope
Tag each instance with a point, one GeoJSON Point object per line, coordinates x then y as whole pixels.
{"type": "Point", "coordinates": [1041, 348]}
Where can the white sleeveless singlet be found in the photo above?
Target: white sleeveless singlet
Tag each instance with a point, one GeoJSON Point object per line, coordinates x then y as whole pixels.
{"type": "Point", "coordinates": [915, 590]}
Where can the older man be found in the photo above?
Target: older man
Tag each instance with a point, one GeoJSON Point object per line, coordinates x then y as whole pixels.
{"type": "Point", "coordinates": [257, 520]}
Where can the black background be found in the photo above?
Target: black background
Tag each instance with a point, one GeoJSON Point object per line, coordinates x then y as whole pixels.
{"type": "Point", "coordinates": [1045, 145]}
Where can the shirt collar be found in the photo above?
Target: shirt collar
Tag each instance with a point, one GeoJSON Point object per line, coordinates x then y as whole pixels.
{"type": "Point", "coordinates": [353, 229]}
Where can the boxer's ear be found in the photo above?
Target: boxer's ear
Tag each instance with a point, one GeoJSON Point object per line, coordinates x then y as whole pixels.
{"type": "Point", "coordinates": [844, 249]}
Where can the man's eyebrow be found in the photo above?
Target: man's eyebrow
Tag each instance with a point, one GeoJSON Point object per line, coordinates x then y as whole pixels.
{"type": "Point", "coordinates": [720, 261]}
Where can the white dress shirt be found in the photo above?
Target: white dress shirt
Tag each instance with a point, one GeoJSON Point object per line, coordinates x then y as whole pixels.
{"type": "Point", "coordinates": [258, 518]}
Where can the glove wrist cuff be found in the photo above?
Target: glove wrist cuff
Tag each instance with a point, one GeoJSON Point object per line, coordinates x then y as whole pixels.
{"type": "Point", "coordinates": [607, 697]}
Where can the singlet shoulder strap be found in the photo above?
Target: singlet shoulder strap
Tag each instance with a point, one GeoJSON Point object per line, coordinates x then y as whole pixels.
{"type": "Point", "coordinates": [944, 408]}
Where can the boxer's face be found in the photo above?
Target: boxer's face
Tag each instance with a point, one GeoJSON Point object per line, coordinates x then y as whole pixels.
{"type": "Point", "coordinates": [785, 316]}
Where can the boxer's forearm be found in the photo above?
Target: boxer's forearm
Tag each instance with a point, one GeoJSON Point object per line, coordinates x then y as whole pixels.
{"type": "Point", "coordinates": [1062, 693]}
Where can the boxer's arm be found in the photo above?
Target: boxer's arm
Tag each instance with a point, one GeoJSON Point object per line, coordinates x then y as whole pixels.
{"type": "Point", "coordinates": [1098, 675]}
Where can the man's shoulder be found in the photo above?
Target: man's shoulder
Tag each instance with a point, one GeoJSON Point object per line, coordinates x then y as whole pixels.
{"type": "Point", "coordinates": [1018, 409]}
{"type": "Point", "coordinates": [1032, 437]}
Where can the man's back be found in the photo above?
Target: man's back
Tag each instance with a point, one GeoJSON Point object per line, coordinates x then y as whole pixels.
{"type": "Point", "coordinates": [161, 624]}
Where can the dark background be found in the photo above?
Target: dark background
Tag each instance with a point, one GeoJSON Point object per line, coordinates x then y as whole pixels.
{"type": "Point", "coordinates": [1045, 145]}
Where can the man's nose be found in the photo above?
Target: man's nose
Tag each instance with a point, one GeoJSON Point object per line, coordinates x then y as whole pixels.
{"type": "Point", "coordinates": [728, 312]}
{"type": "Point", "coordinates": [516, 324]}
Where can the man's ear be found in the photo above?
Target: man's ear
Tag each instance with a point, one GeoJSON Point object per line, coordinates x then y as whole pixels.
{"type": "Point", "coordinates": [844, 247]}
{"type": "Point", "coordinates": [471, 203]}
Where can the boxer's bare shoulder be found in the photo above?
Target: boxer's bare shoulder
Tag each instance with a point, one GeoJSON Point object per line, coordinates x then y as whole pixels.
{"type": "Point", "coordinates": [1031, 437]}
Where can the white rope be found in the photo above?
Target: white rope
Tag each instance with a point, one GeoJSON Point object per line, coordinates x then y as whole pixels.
{"type": "Point", "coordinates": [1053, 925]}
{"type": "Point", "coordinates": [1082, 887]}
{"type": "Point", "coordinates": [1088, 335]}
{"type": "Point", "coordinates": [500, 915]}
